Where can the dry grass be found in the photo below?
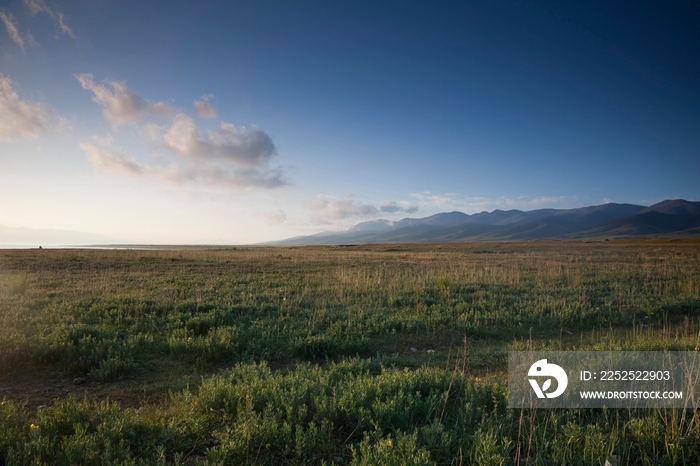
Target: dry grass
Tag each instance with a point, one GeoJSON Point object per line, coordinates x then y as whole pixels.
{"type": "Point", "coordinates": [142, 324]}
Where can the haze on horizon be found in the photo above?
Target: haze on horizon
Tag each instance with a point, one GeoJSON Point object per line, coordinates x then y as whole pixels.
{"type": "Point", "coordinates": [174, 122]}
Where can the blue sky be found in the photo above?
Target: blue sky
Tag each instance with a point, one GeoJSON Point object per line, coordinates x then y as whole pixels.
{"type": "Point", "coordinates": [204, 122]}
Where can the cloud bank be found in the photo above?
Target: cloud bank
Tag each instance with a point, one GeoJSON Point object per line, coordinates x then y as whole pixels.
{"type": "Point", "coordinates": [217, 176]}
{"type": "Point", "coordinates": [19, 119]}
{"type": "Point", "coordinates": [225, 156]}
{"type": "Point", "coordinates": [246, 148]}
{"type": "Point", "coordinates": [110, 159]}
{"type": "Point", "coordinates": [203, 109]}
{"type": "Point", "coordinates": [392, 207]}
{"type": "Point", "coordinates": [104, 156]}
{"type": "Point", "coordinates": [328, 210]}
{"type": "Point", "coordinates": [120, 105]}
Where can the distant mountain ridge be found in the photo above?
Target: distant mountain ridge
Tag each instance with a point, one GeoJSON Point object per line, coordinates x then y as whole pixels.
{"type": "Point", "coordinates": [670, 218]}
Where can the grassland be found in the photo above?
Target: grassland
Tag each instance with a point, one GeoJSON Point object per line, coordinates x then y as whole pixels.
{"type": "Point", "coordinates": [385, 354]}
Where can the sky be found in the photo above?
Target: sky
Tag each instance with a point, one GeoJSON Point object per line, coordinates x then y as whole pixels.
{"type": "Point", "coordinates": [249, 121]}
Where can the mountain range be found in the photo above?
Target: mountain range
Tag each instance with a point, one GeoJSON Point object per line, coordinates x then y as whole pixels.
{"type": "Point", "coordinates": [672, 218]}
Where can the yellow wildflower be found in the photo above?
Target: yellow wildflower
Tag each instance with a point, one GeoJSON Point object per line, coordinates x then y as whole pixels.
{"type": "Point", "coordinates": [390, 443]}
{"type": "Point", "coordinates": [267, 445]}
{"type": "Point", "coordinates": [33, 426]}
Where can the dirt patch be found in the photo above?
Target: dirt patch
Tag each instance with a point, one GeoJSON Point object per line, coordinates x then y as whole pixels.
{"type": "Point", "coordinates": [36, 388]}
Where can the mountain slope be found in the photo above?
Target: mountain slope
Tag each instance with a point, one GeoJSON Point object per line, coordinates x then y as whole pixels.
{"type": "Point", "coordinates": [676, 217]}
{"type": "Point", "coordinates": [675, 207]}
{"type": "Point", "coordinates": [668, 218]}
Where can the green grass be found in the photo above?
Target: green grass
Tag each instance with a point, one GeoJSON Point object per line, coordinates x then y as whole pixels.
{"type": "Point", "coordinates": [306, 355]}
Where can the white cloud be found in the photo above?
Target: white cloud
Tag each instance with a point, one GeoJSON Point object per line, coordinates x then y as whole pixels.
{"type": "Point", "coordinates": [104, 156]}
{"type": "Point", "coordinates": [112, 159]}
{"type": "Point", "coordinates": [244, 148]}
{"type": "Point", "coordinates": [39, 6]}
{"type": "Point", "coordinates": [274, 217]}
{"type": "Point", "coordinates": [19, 119]}
{"type": "Point", "coordinates": [120, 105]}
{"type": "Point", "coordinates": [215, 176]}
{"type": "Point", "coordinates": [327, 210]}
{"type": "Point", "coordinates": [392, 207]}
{"type": "Point", "coordinates": [451, 201]}
{"type": "Point", "coordinates": [204, 109]}
{"type": "Point", "coordinates": [230, 157]}
{"type": "Point", "coordinates": [22, 40]}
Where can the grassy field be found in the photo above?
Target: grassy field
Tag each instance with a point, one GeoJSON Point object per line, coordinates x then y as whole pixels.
{"type": "Point", "coordinates": [383, 354]}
